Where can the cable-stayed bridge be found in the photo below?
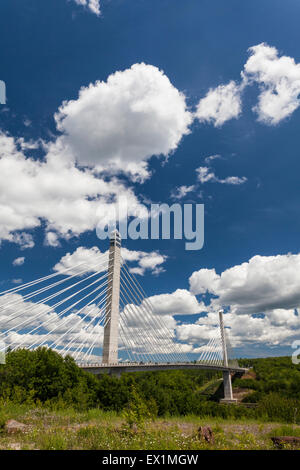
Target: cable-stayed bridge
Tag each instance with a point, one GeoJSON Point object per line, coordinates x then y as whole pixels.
{"type": "Point", "coordinates": [101, 316]}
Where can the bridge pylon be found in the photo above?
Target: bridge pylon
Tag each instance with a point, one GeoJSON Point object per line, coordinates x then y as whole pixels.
{"type": "Point", "coordinates": [228, 396]}
{"type": "Point", "coordinates": [111, 329]}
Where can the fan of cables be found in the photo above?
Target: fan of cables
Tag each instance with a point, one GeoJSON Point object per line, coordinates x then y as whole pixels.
{"type": "Point", "coordinates": [145, 336]}
{"type": "Point", "coordinates": [64, 311]}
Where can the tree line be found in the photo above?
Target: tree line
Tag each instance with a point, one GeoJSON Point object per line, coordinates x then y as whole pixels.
{"type": "Point", "coordinates": [44, 378]}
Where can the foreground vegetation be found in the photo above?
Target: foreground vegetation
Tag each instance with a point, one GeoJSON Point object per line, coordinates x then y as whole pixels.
{"type": "Point", "coordinates": [95, 429]}
{"type": "Point", "coordinates": [64, 407]}
{"type": "Point", "coordinates": [43, 378]}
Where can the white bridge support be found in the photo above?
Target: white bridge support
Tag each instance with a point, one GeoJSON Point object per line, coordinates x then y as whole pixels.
{"type": "Point", "coordinates": [228, 396]}
{"type": "Point", "coordinates": [111, 329]}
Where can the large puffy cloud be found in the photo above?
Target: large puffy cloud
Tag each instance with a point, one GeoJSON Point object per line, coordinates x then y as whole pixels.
{"type": "Point", "coordinates": [119, 124]}
{"type": "Point", "coordinates": [265, 291]}
{"type": "Point", "coordinates": [146, 261]}
{"type": "Point", "coordinates": [69, 199]}
{"type": "Point", "coordinates": [279, 328]}
{"type": "Point", "coordinates": [113, 126]}
{"type": "Point", "coordinates": [220, 104]}
{"type": "Point", "coordinates": [93, 260]}
{"type": "Point", "coordinates": [262, 284]}
{"type": "Point", "coordinates": [82, 260]}
{"type": "Point", "coordinates": [179, 302]}
{"type": "Point", "coordinates": [202, 281]}
{"type": "Point", "coordinates": [195, 333]}
{"type": "Point", "coordinates": [92, 5]}
{"type": "Point", "coordinates": [279, 79]}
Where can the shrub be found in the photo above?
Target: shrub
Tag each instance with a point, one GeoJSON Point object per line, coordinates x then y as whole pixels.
{"type": "Point", "coordinates": [137, 411]}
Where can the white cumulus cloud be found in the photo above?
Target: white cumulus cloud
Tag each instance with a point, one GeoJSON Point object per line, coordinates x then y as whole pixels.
{"type": "Point", "coordinates": [278, 77]}
{"type": "Point", "coordinates": [180, 302]}
{"type": "Point", "coordinates": [69, 199]}
{"type": "Point", "coordinates": [262, 284]}
{"type": "Point", "coordinates": [19, 261]}
{"type": "Point", "coordinates": [92, 5]}
{"type": "Point", "coordinates": [113, 126]}
{"type": "Point", "coordinates": [279, 80]}
{"type": "Point", "coordinates": [51, 239]}
{"type": "Point", "coordinates": [250, 331]}
{"type": "Point", "coordinates": [119, 124]}
{"type": "Point", "coordinates": [93, 260]}
{"type": "Point", "coordinates": [205, 174]}
{"type": "Point", "coordinates": [181, 191]}
{"type": "Point", "coordinates": [220, 104]}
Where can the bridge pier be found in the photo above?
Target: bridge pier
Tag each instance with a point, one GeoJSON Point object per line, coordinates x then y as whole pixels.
{"type": "Point", "coordinates": [228, 397]}
{"type": "Point", "coordinates": [115, 372]}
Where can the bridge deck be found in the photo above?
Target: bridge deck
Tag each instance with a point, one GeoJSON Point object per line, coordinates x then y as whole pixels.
{"type": "Point", "coordinates": [128, 367]}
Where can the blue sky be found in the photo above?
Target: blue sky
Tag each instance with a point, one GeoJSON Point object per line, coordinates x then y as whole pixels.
{"type": "Point", "coordinates": [50, 49]}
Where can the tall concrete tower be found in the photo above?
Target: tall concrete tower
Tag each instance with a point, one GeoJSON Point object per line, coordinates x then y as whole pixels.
{"type": "Point", "coordinates": [223, 339]}
{"type": "Point", "coordinates": [228, 396]}
{"type": "Point", "coordinates": [111, 329]}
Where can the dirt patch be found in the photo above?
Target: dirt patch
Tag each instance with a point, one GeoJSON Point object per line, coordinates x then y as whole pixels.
{"type": "Point", "coordinates": [185, 428]}
{"type": "Point", "coordinates": [240, 393]}
{"type": "Point", "coordinates": [249, 375]}
{"type": "Point", "coordinates": [76, 427]}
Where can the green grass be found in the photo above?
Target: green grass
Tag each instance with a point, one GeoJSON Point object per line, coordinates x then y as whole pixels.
{"type": "Point", "coordinates": [68, 429]}
{"type": "Point", "coordinates": [287, 431]}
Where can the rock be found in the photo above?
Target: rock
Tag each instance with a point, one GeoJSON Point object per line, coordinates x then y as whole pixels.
{"type": "Point", "coordinates": [280, 441]}
{"type": "Point", "coordinates": [12, 426]}
{"type": "Point", "coordinates": [205, 432]}
{"type": "Point", "coordinates": [15, 446]}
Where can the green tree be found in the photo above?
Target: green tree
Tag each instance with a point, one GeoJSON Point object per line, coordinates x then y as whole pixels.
{"type": "Point", "coordinates": [137, 411]}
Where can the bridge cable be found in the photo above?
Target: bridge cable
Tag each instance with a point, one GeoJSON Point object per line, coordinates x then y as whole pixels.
{"type": "Point", "coordinates": [69, 308]}
{"type": "Point", "coordinates": [34, 305]}
{"type": "Point", "coordinates": [138, 289]}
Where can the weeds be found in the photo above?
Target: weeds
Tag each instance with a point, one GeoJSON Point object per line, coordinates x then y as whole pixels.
{"type": "Point", "coordinates": [95, 429]}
